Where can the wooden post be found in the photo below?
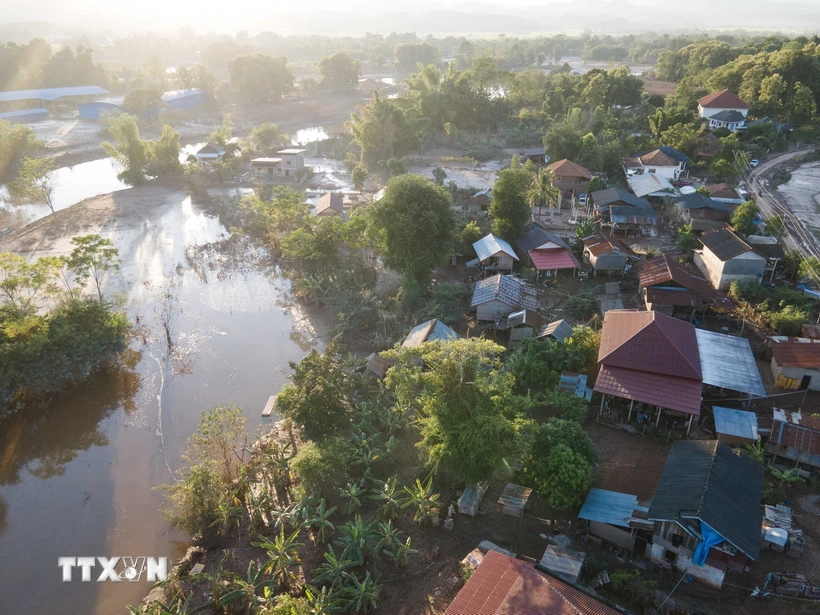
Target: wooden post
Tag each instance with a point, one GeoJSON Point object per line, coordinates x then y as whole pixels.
{"type": "Point", "coordinates": [658, 421]}
{"type": "Point", "coordinates": [689, 426]}
{"type": "Point", "coordinates": [631, 403]}
{"type": "Point", "coordinates": [601, 409]}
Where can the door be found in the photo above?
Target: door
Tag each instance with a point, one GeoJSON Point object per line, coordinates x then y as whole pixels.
{"type": "Point", "coordinates": [804, 384]}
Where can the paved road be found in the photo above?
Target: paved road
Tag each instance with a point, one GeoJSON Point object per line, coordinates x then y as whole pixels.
{"type": "Point", "coordinates": [799, 237]}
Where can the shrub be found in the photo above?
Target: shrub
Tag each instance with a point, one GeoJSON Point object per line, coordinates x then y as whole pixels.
{"type": "Point", "coordinates": [194, 501]}
{"type": "Point", "coordinates": [321, 467]}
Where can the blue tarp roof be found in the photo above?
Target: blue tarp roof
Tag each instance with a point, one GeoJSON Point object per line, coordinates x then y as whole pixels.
{"type": "Point", "coordinates": [52, 93]}
{"type": "Point", "coordinates": [23, 113]}
{"type": "Point", "coordinates": [609, 507]}
{"type": "Point", "coordinates": [174, 94]}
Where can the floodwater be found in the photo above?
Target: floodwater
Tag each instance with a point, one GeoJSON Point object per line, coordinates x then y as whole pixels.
{"type": "Point", "coordinates": [312, 134]}
{"type": "Point", "coordinates": [71, 185]}
{"type": "Point", "coordinates": [78, 476]}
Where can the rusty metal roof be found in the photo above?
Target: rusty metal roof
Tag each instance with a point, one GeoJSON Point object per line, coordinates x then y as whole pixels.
{"type": "Point", "coordinates": [797, 354]}
{"type": "Point", "coordinates": [725, 99]}
{"type": "Point", "coordinates": [567, 168]}
{"type": "Point", "coordinates": [502, 585]}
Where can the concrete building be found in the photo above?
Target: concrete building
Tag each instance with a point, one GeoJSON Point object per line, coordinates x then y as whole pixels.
{"type": "Point", "coordinates": [657, 161]}
{"type": "Point", "coordinates": [726, 258]}
{"type": "Point", "coordinates": [707, 511]}
{"type": "Point", "coordinates": [287, 166]}
{"type": "Point", "coordinates": [724, 110]}
{"type": "Point", "coordinates": [570, 178]}
{"type": "Point", "coordinates": [496, 297]}
{"type": "Point", "coordinates": [796, 363]}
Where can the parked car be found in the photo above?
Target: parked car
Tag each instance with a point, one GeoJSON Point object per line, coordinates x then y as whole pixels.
{"type": "Point", "coordinates": [582, 198]}
{"type": "Point", "coordinates": [754, 163]}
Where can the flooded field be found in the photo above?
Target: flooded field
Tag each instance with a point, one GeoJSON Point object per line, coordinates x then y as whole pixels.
{"type": "Point", "coordinates": [78, 475]}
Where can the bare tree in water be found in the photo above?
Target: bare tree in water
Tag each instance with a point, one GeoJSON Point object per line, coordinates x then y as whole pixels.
{"type": "Point", "coordinates": [165, 312]}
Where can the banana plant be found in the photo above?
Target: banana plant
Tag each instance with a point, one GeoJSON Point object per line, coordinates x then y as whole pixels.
{"type": "Point", "coordinates": [258, 504]}
{"type": "Point", "coordinates": [356, 537]}
{"type": "Point", "coordinates": [330, 571]}
{"type": "Point", "coordinates": [177, 606]}
{"type": "Point", "coordinates": [320, 522]}
{"type": "Point", "coordinates": [246, 590]}
{"type": "Point", "coordinates": [400, 553]}
{"type": "Point", "coordinates": [228, 514]}
{"type": "Point", "coordinates": [357, 596]}
{"type": "Point", "coordinates": [390, 505]}
{"type": "Point", "coordinates": [353, 493]}
{"type": "Point", "coordinates": [421, 498]}
{"type": "Point", "coordinates": [283, 554]}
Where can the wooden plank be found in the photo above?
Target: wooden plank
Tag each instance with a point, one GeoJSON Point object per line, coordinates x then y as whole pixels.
{"type": "Point", "coordinates": [269, 406]}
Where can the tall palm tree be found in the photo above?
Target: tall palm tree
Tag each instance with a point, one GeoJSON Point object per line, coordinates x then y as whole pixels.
{"type": "Point", "coordinates": [542, 191]}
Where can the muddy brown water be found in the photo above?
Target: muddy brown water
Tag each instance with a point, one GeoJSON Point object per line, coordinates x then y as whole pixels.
{"type": "Point", "coordinates": [78, 475]}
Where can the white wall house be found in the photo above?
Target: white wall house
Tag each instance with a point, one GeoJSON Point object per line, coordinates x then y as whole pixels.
{"type": "Point", "coordinates": [656, 162]}
{"type": "Point", "coordinates": [726, 258]}
{"type": "Point", "coordinates": [724, 109]}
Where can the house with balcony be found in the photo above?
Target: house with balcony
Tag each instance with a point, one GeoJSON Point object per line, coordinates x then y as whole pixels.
{"type": "Point", "coordinates": [570, 178]}
{"type": "Point", "coordinates": [656, 161]}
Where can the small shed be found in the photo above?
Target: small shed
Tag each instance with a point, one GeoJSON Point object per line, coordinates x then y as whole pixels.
{"type": "Point", "coordinates": [429, 331]}
{"type": "Point", "coordinates": [523, 324]}
{"type": "Point", "coordinates": [470, 500]}
{"type": "Point", "coordinates": [377, 365]}
{"type": "Point", "coordinates": [331, 204]}
{"type": "Point", "coordinates": [734, 426]}
{"type": "Point", "coordinates": [560, 331]}
{"type": "Point", "coordinates": [210, 151]}
{"type": "Point", "coordinates": [513, 500]}
{"type": "Point", "coordinates": [564, 563]}
{"type": "Point", "coordinates": [493, 254]}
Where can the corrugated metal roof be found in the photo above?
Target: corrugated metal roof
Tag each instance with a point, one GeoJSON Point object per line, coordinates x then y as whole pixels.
{"type": "Point", "coordinates": [724, 244]}
{"type": "Point", "coordinates": [696, 200]}
{"type": "Point", "coordinates": [727, 361]}
{"type": "Point", "coordinates": [734, 422]}
{"type": "Point", "coordinates": [175, 94]}
{"type": "Point", "coordinates": [567, 168]}
{"type": "Point", "coordinates": [666, 272]}
{"type": "Point", "coordinates": [525, 317]}
{"type": "Point", "coordinates": [608, 507]}
{"type": "Point", "coordinates": [649, 342]}
{"type": "Point", "coordinates": [559, 258]}
{"type": "Point", "coordinates": [705, 480]}
{"type": "Point", "coordinates": [489, 246]}
{"type": "Point", "coordinates": [292, 151]}
{"type": "Point", "coordinates": [658, 158]}
{"type": "Point", "coordinates": [560, 330]}
{"type": "Point", "coordinates": [797, 354]}
{"type": "Point", "coordinates": [428, 332]}
{"type": "Point", "coordinates": [52, 93]}
{"type": "Point", "coordinates": [536, 237]}
{"type": "Point", "coordinates": [23, 113]}
{"type": "Point", "coordinates": [796, 430]}
{"type": "Point", "coordinates": [603, 198]}
{"type": "Point", "coordinates": [599, 243]}
{"type": "Point", "coordinates": [681, 394]}
{"type": "Point", "coordinates": [330, 202]}
{"type": "Point", "coordinates": [723, 191]}
{"type": "Point", "coordinates": [563, 562]}
{"type": "Point", "coordinates": [506, 288]}
{"type": "Point", "coordinates": [722, 99]}
{"type": "Point", "coordinates": [502, 585]}
{"type": "Point", "coordinates": [649, 184]}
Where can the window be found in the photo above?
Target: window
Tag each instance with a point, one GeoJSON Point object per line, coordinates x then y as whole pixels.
{"type": "Point", "coordinates": [670, 556]}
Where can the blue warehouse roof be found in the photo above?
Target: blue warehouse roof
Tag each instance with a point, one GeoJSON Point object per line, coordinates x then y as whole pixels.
{"type": "Point", "coordinates": [25, 115]}
{"type": "Point", "coordinates": [175, 94]}
{"type": "Point", "coordinates": [52, 93]}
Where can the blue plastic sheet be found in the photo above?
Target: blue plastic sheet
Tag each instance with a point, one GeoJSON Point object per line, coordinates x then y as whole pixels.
{"type": "Point", "coordinates": [710, 539]}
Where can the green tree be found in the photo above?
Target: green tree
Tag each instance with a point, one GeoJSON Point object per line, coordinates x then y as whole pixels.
{"type": "Point", "coordinates": [560, 462]}
{"type": "Point", "coordinates": [467, 410]}
{"type": "Point", "coordinates": [143, 101]}
{"type": "Point", "coordinates": [595, 184]}
{"type": "Point", "coordinates": [469, 235]}
{"type": "Point", "coordinates": [339, 71]}
{"type": "Point", "coordinates": [381, 131]}
{"type": "Point", "coordinates": [266, 138]}
{"type": "Point", "coordinates": [542, 190]}
{"type": "Point", "coordinates": [221, 436]}
{"type": "Point", "coordinates": [195, 500]}
{"type": "Point", "coordinates": [320, 467]}
{"type": "Point", "coordinates": [683, 137]}
{"type": "Point", "coordinates": [35, 181]}
{"type": "Point", "coordinates": [743, 218]}
{"type": "Point", "coordinates": [772, 90]}
{"type": "Point", "coordinates": [24, 283]}
{"type": "Point", "coordinates": [803, 107]}
{"type": "Point", "coordinates": [224, 133]}
{"type": "Point", "coordinates": [439, 175]}
{"type": "Point", "coordinates": [93, 258]}
{"type": "Point", "coordinates": [164, 154]}
{"type": "Point", "coordinates": [316, 398]}
{"type": "Point", "coordinates": [259, 78]}
{"type": "Point", "coordinates": [414, 227]}
{"type": "Point", "coordinates": [686, 238]}
{"type": "Point", "coordinates": [585, 228]}
{"type": "Point", "coordinates": [17, 143]}
{"type": "Point", "coordinates": [131, 152]}
{"type": "Point", "coordinates": [359, 177]}
{"type": "Point", "coordinates": [509, 207]}
{"type": "Point", "coordinates": [410, 55]}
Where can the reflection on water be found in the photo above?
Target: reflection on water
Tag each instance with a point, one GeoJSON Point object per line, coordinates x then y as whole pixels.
{"type": "Point", "coordinates": [71, 185]}
{"type": "Point", "coordinates": [77, 476]}
{"type": "Point", "coordinates": [304, 136]}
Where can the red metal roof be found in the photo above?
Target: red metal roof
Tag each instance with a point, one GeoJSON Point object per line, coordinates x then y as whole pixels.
{"type": "Point", "coordinates": [682, 394]}
{"type": "Point", "coordinates": [724, 99]}
{"type": "Point", "coordinates": [797, 354]}
{"type": "Point", "coordinates": [649, 342]}
{"type": "Point", "coordinates": [664, 271]}
{"type": "Point", "coordinates": [502, 585]}
{"type": "Point", "coordinates": [555, 258]}
{"type": "Point", "coordinates": [657, 158]}
{"type": "Point", "coordinates": [567, 168]}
